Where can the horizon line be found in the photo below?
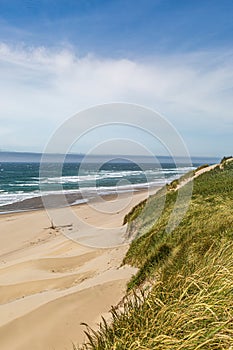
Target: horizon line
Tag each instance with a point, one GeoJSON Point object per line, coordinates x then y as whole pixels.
{"type": "Point", "coordinates": [102, 155]}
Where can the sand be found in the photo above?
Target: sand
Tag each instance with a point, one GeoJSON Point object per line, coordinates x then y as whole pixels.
{"type": "Point", "coordinates": [49, 283]}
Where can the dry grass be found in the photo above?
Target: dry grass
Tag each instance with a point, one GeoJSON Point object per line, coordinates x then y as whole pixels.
{"type": "Point", "coordinates": [190, 305]}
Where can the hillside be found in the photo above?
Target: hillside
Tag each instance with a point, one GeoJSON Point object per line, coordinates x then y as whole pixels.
{"type": "Point", "coordinates": [182, 295]}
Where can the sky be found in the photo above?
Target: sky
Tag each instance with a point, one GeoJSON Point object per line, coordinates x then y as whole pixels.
{"type": "Point", "coordinates": [58, 58]}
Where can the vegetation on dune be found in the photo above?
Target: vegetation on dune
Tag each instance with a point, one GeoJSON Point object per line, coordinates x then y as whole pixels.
{"type": "Point", "coordinates": [225, 159]}
{"type": "Point", "coordinates": [203, 166]}
{"type": "Point", "coordinates": [188, 303]}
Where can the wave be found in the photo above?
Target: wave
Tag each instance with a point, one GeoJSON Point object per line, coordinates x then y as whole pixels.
{"type": "Point", "coordinates": [7, 198]}
{"type": "Point", "coordinates": [88, 189]}
{"type": "Point", "coordinates": [87, 192]}
{"type": "Point", "coordinates": [112, 175]}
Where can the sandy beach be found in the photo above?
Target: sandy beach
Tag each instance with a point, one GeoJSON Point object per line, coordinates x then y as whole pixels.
{"type": "Point", "coordinates": [49, 283]}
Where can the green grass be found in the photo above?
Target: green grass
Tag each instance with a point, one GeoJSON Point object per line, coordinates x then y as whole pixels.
{"type": "Point", "coordinates": [190, 270]}
{"type": "Point", "coordinates": [203, 166]}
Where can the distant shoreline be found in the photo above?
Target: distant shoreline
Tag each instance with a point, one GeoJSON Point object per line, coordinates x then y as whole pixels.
{"type": "Point", "coordinates": [33, 157]}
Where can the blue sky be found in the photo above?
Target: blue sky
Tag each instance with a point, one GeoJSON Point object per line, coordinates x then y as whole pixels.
{"type": "Point", "coordinates": [59, 57]}
{"type": "Point", "coordinates": [117, 28]}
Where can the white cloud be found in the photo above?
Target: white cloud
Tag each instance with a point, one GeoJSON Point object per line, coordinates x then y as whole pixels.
{"type": "Point", "coordinates": [40, 88]}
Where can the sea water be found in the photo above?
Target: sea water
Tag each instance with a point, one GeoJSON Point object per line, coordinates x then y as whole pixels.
{"type": "Point", "coordinates": [20, 181]}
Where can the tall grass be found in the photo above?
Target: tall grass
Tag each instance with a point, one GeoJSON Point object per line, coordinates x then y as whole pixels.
{"type": "Point", "coordinates": [190, 309]}
{"type": "Point", "coordinates": [190, 303]}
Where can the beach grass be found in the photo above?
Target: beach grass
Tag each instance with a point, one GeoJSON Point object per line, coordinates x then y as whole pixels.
{"type": "Point", "coordinates": [182, 295]}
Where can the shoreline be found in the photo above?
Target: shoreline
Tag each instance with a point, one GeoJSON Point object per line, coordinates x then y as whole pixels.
{"type": "Point", "coordinates": [49, 280]}
{"type": "Point", "coordinates": [61, 200]}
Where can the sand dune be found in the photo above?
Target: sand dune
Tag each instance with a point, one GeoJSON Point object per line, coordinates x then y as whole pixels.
{"type": "Point", "coordinates": [49, 284]}
{"type": "Point", "coordinates": [56, 324]}
{"type": "Point", "coordinates": [11, 292]}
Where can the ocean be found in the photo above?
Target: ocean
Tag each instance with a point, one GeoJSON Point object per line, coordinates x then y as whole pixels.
{"type": "Point", "coordinates": [21, 185]}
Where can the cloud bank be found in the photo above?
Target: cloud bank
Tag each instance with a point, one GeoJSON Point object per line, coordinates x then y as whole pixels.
{"type": "Point", "coordinates": [40, 88]}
